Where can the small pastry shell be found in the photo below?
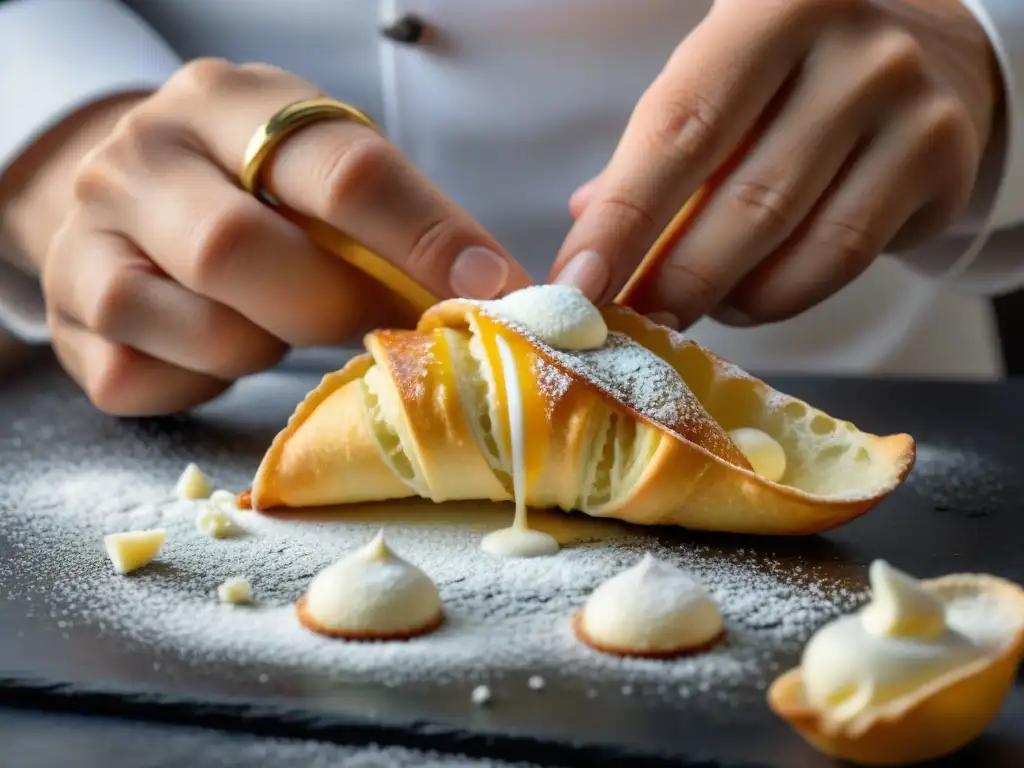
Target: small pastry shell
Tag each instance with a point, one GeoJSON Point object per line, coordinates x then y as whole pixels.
{"type": "Point", "coordinates": [307, 620]}
{"type": "Point", "coordinates": [672, 653]}
{"type": "Point", "coordinates": [936, 720]}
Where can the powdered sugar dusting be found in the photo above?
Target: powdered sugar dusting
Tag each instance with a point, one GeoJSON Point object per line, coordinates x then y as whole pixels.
{"type": "Point", "coordinates": [502, 615]}
{"type": "Point", "coordinates": [633, 375]}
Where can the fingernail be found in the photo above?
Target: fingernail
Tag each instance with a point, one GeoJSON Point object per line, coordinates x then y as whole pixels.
{"type": "Point", "coordinates": [732, 316]}
{"type": "Point", "coordinates": [588, 272]}
{"type": "Point", "coordinates": [665, 318]}
{"type": "Point", "coordinates": [478, 273]}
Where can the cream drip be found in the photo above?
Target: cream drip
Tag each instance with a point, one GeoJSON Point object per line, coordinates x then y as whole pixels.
{"type": "Point", "coordinates": [518, 540]}
{"type": "Point", "coordinates": [893, 646]}
{"type": "Point", "coordinates": [374, 592]}
{"type": "Point", "coordinates": [561, 316]}
{"type": "Point", "coordinates": [651, 607]}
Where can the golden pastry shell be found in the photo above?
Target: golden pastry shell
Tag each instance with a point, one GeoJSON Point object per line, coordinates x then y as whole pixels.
{"type": "Point", "coordinates": [933, 721]}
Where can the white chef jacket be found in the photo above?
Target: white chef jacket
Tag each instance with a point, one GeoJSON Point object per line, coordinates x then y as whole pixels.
{"type": "Point", "coordinates": [507, 106]}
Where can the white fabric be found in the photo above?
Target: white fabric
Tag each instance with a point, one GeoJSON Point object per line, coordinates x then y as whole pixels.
{"type": "Point", "coordinates": [518, 102]}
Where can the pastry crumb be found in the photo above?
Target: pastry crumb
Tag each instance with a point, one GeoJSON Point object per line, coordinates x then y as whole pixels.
{"type": "Point", "coordinates": [193, 484]}
{"type": "Point", "coordinates": [216, 523]}
{"type": "Point", "coordinates": [481, 695]}
{"type": "Point", "coordinates": [130, 550]}
{"type": "Point", "coordinates": [224, 500]}
{"type": "Point", "coordinates": [236, 591]}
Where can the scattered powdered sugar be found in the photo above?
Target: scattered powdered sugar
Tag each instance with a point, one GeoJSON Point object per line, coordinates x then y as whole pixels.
{"type": "Point", "coordinates": [502, 616]}
{"type": "Point", "coordinates": [956, 477]}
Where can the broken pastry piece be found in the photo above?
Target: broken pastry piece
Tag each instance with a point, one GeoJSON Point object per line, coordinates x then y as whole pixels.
{"type": "Point", "coordinates": [130, 550]}
{"type": "Point", "coordinates": [652, 609]}
{"type": "Point", "coordinates": [372, 594]}
{"type": "Point", "coordinates": [193, 484]}
{"type": "Point", "coordinates": [636, 428]}
{"type": "Point", "coordinates": [916, 674]}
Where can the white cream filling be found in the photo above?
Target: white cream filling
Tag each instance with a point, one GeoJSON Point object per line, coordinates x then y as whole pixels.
{"type": "Point", "coordinates": [651, 607]}
{"type": "Point", "coordinates": [373, 591]}
{"type": "Point", "coordinates": [896, 644]}
{"type": "Point", "coordinates": [518, 540]}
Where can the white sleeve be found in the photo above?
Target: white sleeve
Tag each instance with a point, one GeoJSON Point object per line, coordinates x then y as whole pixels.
{"type": "Point", "coordinates": [983, 252]}
{"type": "Point", "coordinates": [60, 56]}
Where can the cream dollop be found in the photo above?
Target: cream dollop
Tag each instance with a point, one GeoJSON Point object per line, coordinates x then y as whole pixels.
{"type": "Point", "coordinates": [767, 458]}
{"type": "Point", "coordinates": [373, 592]}
{"type": "Point", "coordinates": [893, 646]}
{"type": "Point", "coordinates": [651, 607]}
{"type": "Point", "coordinates": [559, 315]}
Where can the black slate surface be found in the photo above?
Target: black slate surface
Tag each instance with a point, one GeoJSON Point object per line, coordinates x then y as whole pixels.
{"type": "Point", "coordinates": [41, 739]}
{"type": "Point", "coordinates": [967, 521]}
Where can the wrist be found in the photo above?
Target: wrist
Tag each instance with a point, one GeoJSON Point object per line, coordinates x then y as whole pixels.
{"type": "Point", "coordinates": [36, 189]}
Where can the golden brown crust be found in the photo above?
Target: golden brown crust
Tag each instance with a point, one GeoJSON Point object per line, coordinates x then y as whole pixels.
{"type": "Point", "coordinates": [307, 620]}
{"type": "Point", "coordinates": [936, 721]}
{"type": "Point", "coordinates": [674, 653]}
{"type": "Point", "coordinates": [687, 473]}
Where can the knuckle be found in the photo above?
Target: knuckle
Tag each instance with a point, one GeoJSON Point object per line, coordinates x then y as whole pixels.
{"type": "Point", "coordinates": [217, 240]}
{"type": "Point", "coordinates": [898, 60]}
{"type": "Point", "coordinates": [92, 180]}
{"type": "Point", "coordinates": [682, 125]}
{"type": "Point", "coordinates": [946, 126]}
{"type": "Point", "coordinates": [143, 134]}
{"type": "Point", "coordinates": [431, 243]}
{"type": "Point", "coordinates": [202, 75]}
{"type": "Point", "coordinates": [852, 241]}
{"type": "Point", "coordinates": [688, 285]}
{"type": "Point", "coordinates": [111, 304]}
{"type": "Point", "coordinates": [108, 376]}
{"type": "Point", "coordinates": [766, 207]}
{"type": "Point", "coordinates": [360, 166]}
{"type": "Point", "coordinates": [625, 214]}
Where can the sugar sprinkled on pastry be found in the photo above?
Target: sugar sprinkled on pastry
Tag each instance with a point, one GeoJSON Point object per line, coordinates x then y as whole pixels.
{"type": "Point", "coordinates": [371, 594]}
{"type": "Point", "coordinates": [651, 609]}
{"type": "Point", "coordinates": [915, 674]}
{"type": "Point", "coordinates": [216, 519]}
{"type": "Point", "coordinates": [130, 550]}
{"type": "Point", "coordinates": [559, 315]}
{"type": "Point", "coordinates": [193, 483]}
{"type": "Point", "coordinates": [235, 590]}
{"type": "Point", "coordinates": [767, 458]}
{"type": "Point", "coordinates": [631, 429]}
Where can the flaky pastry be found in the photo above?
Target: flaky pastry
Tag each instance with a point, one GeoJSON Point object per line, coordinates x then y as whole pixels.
{"type": "Point", "coordinates": [637, 430]}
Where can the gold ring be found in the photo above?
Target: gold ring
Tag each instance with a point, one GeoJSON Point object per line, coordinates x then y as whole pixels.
{"type": "Point", "coordinates": [268, 138]}
{"type": "Point", "coordinates": [280, 126]}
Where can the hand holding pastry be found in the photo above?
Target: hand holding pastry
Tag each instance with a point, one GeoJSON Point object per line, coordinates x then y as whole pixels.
{"type": "Point", "coordinates": [165, 281]}
{"type": "Point", "coordinates": [866, 121]}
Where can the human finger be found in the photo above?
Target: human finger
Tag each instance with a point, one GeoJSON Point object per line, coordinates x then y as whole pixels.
{"type": "Point", "coordinates": [349, 175]}
{"type": "Point", "coordinates": [890, 188]}
{"type": "Point", "coordinates": [690, 121]}
{"type": "Point", "coordinates": [105, 284]}
{"type": "Point", "coordinates": [124, 382]}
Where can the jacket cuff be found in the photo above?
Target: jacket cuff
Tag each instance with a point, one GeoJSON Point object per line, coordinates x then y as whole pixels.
{"type": "Point", "coordinates": [67, 56]}
{"type": "Point", "coordinates": [981, 251]}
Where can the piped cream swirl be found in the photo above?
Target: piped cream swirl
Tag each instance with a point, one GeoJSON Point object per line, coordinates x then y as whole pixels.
{"type": "Point", "coordinates": [893, 646]}
{"type": "Point", "coordinates": [558, 315]}
{"type": "Point", "coordinates": [372, 593]}
{"type": "Point", "coordinates": [651, 608]}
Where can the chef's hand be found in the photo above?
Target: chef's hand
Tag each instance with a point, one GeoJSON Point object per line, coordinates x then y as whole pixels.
{"type": "Point", "coordinates": [867, 121]}
{"type": "Point", "coordinates": [166, 282]}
